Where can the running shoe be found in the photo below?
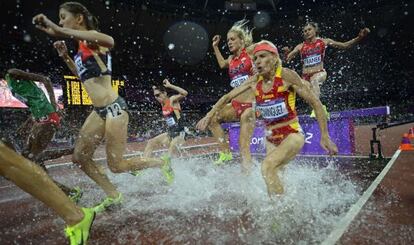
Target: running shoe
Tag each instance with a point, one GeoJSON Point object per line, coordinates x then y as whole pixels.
{"type": "Point", "coordinates": [166, 169]}
{"type": "Point", "coordinates": [75, 194]}
{"type": "Point", "coordinates": [78, 234]}
{"type": "Point", "coordinates": [136, 173]}
{"type": "Point", "coordinates": [275, 227]}
{"type": "Point", "coordinates": [108, 202]}
{"type": "Point", "coordinates": [328, 115]}
{"type": "Point", "coordinates": [223, 158]}
{"type": "Point", "coordinates": [313, 115]}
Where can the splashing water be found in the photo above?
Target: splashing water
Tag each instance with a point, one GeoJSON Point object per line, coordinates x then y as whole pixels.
{"type": "Point", "coordinates": [219, 204]}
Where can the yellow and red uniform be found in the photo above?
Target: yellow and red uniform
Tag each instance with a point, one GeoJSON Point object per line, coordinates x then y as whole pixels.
{"type": "Point", "coordinates": [277, 106]}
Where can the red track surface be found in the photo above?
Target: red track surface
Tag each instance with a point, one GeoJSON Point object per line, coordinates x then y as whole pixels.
{"type": "Point", "coordinates": [388, 216]}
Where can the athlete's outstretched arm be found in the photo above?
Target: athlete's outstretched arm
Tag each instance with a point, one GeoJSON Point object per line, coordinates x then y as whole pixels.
{"type": "Point", "coordinates": [223, 63]}
{"type": "Point", "coordinates": [49, 87]}
{"type": "Point", "coordinates": [62, 50]}
{"type": "Point", "coordinates": [303, 89]}
{"type": "Point", "coordinates": [43, 23]}
{"type": "Point", "coordinates": [204, 122]}
{"type": "Point", "coordinates": [181, 92]}
{"type": "Point", "coordinates": [345, 45]}
{"type": "Point", "coordinates": [19, 74]}
{"type": "Point", "coordinates": [231, 95]}
{"type": "Point", "coordinates": [292, 54]}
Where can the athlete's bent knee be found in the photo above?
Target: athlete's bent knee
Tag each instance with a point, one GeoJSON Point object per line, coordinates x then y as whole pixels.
{"type": "Point", "coordinates": [151, 143]}
{"type": "Point", "coordinates": [269, 166]}
{"type": "Point", "coordinates": [117, 168]}
{"type": "Point", "coordinates": [79, 157]}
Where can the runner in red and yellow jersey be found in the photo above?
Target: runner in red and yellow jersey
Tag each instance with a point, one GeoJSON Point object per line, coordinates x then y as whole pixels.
{"type": "Point", "coordinates": [275, 89]}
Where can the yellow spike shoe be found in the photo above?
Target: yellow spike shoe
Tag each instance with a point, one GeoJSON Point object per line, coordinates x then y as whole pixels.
{"type": "Point", "coordinates": [75, 194]}
{"type": "Point", "coordinates": [166, 169]}
{"type": "Point", "coordinates": [78, 234]}
{"type": "Point", "coordinates": [223, 158]}
{"type": "Point", "coordinates": [108, 202]}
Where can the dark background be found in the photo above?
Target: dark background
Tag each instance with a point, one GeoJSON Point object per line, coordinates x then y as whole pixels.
{"type": "Point", "coordinates": [379, 71]}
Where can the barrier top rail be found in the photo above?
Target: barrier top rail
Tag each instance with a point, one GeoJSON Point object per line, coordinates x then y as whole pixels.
{"type": "Point", "coordinates": [364, 112]}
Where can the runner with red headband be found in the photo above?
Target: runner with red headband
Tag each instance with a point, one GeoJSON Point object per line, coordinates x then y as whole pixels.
{"type": "Point", "coordinates": [275, 90]}
{"type": "Point", "coordinates": [312, 52]}
{"type": "Point", "coordinates": [240, 68]}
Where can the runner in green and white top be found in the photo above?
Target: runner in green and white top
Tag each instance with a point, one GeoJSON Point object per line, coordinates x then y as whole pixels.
{"type": "Point", "coordinates": [44, 120]}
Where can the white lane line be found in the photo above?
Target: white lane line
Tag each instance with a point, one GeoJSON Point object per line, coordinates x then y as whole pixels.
{"type": "Point", "coordinates": [339, 156]}
{"type": "Point", "coordinates": [6, 186]}
{"type": "Point", "coordinates": [343, 224]}
{"type": "Point", "coordinates": [15, 198]}
{"type": "Point", "coordinates": [321, 156]}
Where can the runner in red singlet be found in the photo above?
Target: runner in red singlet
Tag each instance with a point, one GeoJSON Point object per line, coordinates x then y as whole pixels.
{"type": "Point", "coordinates": [240, 67]}
{"type": "Point", "coordinates": [175, 135]}
{"type": "Point", "coordinates": [312, 52]}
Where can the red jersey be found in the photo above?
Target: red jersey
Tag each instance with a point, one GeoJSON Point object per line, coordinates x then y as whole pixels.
{"type": "Point", "coordinates": [169, 114]}
{"type": "Point", "coordinates": [92, 61]}
{"type": "Point", "coordinates": [240, 68]}
{"type": "Point", "coordinates": [277, 105]}
{"type": "Point", "coordinates": [312, 54]}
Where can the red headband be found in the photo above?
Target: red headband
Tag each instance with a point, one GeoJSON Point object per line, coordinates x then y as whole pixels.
{"type": "Point", "coordinates": [265, 47]}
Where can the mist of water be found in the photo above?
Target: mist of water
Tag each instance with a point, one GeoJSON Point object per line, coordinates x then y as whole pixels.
{"type": "Point", "coordinates": [315, 199]}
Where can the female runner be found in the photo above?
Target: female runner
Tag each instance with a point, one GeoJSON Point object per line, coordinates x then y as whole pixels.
{"type": "Point", "coordinates": [275, 90]}
{"type": "Point", "coordinates": [312, 52]}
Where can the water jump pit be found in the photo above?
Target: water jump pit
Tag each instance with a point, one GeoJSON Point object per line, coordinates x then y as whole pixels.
{"type": "Point", "coordinates": [205, 204]}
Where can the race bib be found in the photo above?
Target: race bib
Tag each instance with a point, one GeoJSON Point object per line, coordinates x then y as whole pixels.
{"type": "Point", "coordinates": [170, 121]}
{"type": "Point", "coordinates": [114, 110]}
{"type": "Point", "coordinates": [312, 60]}
{"type": "Point", "coordinates": [274, 109]}
{"type": "Point", "coordinates": [79, 65]}
{"type": "Point", "coordinates": [238, 81]}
